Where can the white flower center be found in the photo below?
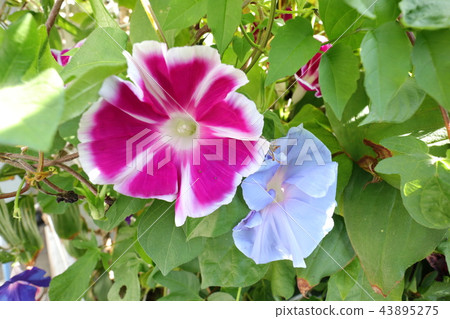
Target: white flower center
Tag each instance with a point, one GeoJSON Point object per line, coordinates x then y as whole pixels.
{"type": "Point", "coordinates": [186, 127]}
{"type": "Point", "coordinates": [180, 130]}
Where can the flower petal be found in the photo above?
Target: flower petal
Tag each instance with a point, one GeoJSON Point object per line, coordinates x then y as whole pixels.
{"type": "Point", "coordinates": [188, 68]}
{"type": "Point", "coordinates": [156, 177]}
{"type": "Point", "coordinates": [313, 180]}
{"type": "Point", "coordinates": [308, 75]}
{"type": "Point", "coordinates": [35, 276]}
{"type": "Point", "coordinates": [130, 99]}
{"type": "Point", "coordinates": [108, 135]}
{"type": "Point", "coordinates": [254, 186]}
{"type": "Point", "coordinates": [147, 68]}
{"type": "Point", "coordinates": [235, 117]}
{"type": "Point", "coordinates": [302, 148]}
{"type": "Point", "coordinates": [215, 166]}
{"type": "Point", "coordinates": [17, 291]}
{"type": "Point", "coordinates": [291, 230]}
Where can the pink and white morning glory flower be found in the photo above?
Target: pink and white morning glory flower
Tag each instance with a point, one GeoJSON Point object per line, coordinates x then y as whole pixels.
{"type": "Point", "coordinates": [308, 75]}
{"type": "Point", "coordinates": [292, 200]}
{"type": "Point", "coordinates": [178, 131]}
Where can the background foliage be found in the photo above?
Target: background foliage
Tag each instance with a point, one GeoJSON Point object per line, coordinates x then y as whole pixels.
{"type": "Point", "coordinates": [383, 115]}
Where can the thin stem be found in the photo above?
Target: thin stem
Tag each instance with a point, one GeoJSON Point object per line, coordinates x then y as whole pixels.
{"type": "Point", "coordinates": [13, 194]}
{"type": "Point", "coordinates": [78, 176]}
{"type": "Point", "coordinates": [200, 33]}
{"type": "Point", "coordinates": [47, 162]}
{"type": "Point", "coordinates": [153, 20]}
{"type": "Point", "coordinates": [16, 212]}
{"type": "Point", "coordinates": [53, 186]}
{"type": "Point", "coordinates": [265, 39]}
{"type": "Point", "coordinates": [38, 186]}
{"type": "Point", "coordinates": [63, 159]}
{"type": "Point", "coordinates": [250, 41]}
{"type": "Point", "coordinates": [40, 167]}
{"type": "Point", "coordinates": [53, 15]}
{"type": "Point", "coordinates": [238, 295]}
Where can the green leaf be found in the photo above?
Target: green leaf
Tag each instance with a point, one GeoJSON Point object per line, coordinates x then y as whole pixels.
{"type": "Point", "coordinates": [386, 10]}
{"type": "Point", "coordinates": [241, 47]}
{"type": "Point", "coordinates": [179, 283]}
{"type": "Point", "coordinates": [6, 257]}
{"type": "Point", "coordinates": [438, 291]}
{"type": "Point", "coordinates": [165, 243]}
{"type": "Point", "coordinates": [102, 16]}
{"type": "Point", "coordinates": [19, 49]}
{"type": "Point", "coordinates": [273, 128]}
{"type": "Point", "coordinates": [221, 296]}
{"type": "Point", "coordinates": [405, 102]}
{"type": "Point", "coordinates": [364, 7]}
{"type": "Point", "coordinates": [333, 254]}
{"type": "Point", "coordinates": [123, 207]}
{"type": "Point", "coordinates": [222, 264]}
{"type": "Point", "coordinates": [430, 14]}
{"type": "Point", "coordinates": [72, 284]}
{"type": "Point", "coordinates": [224, 16]}
{"type": "Point", "coordinates": [254, 89]}
{"type": "Point", "coordinates": [126, 285]}
{"type": "Point", "coordinates": [315, 121]}
{"type": "Point", "coordinates": [385, 237]}
{"type": "Point", "coordinates": [68, 224]}
{"type": "Point", "coordinates": [31, 111]}
{"type": "Point", "coordinates": [345, 167]}
{"type": "Point", "coordinates": [103, 47]}
{"type": "Point", "coordinates": [184, 13]}
{"type": "Point", "coordinates": [432, 66]}
{"type": "Point", "coordinates": [292, 47]}
{"type": "Point", "coordinates": [281, 274]}
{"type": "Point", "coordinates": [425, 183]}
{"type": "Point", "coordinates": [46, 59]}
{"type": "Point", "coordinates": [338, 76]}
{"type": "Point", "coordinates": [219, 222]}
{"type": "Point", "coordinates": [48, 203]}
{"type": "Point", "coordinates": [385, 53]}
{"type": "Point", "coordinates": [69, 130]}
{"type": "Point", "coordinates": [99, 57]}
{"type": "Point", "coordinates": [424, 123]}
{"type": "Point", "coordinates": [140, 27]}
{"type": "Point", "coordinates": [339, 20]}
{"type": "Point", "coordinates": [351, 284]}
{"type": "Point", "coordinates": [130, 4]}
{"type": "Point", "coordinates": [404, 145]}
{"type": "Point", "coordinates": [381, 10]}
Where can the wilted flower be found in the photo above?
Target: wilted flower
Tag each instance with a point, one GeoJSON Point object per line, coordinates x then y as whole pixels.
{"type": "Point", "coordinates": [61, 57]}
{"type": "Point", "coordinates": [24, 286]}
{"type": "Point", "coordinates": [308, 75]}
{"type": "Point", "coordinates": [178, 131]}
{"type": "Point", "coordinates": [292, 199]}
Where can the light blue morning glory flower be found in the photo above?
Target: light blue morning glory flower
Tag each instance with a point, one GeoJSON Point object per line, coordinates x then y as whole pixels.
{"type": "Point", "coordinates": [292, 200]}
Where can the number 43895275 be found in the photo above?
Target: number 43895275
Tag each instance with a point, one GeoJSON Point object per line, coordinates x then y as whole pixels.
{"type": "Point", "coordinates": [409, 310]}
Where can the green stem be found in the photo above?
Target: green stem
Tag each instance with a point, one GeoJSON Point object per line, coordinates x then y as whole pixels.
{"type": "Point", "coordinates": [238, 296]}
{"type": "Point", "coordinates": [16, 213]}
{"type": "Point", "coordinates": [154, 20]}
{"type": "Point", "coordinates": [265, 39]}
{"type": "Point", "coordinates": [250, 41]}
